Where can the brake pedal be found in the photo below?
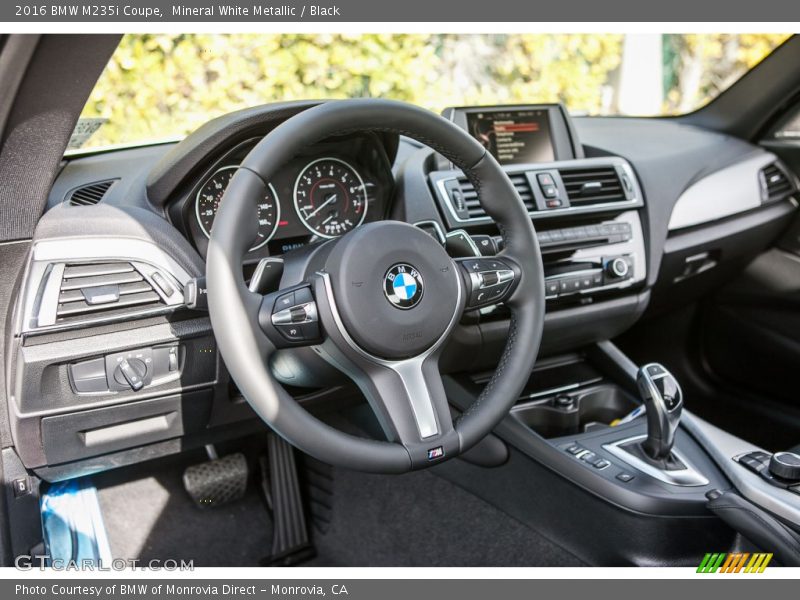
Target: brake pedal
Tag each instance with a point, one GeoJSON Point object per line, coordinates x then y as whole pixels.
{"type": "Point", "coordinates": [218, 481]}
{"type": "Point", "coordinates": [291, 544]}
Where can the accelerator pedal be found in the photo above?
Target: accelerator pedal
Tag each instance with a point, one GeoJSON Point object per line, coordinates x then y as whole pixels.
{"type": "Point", "coordinates": [281, 485]}
{"type": "Point", "coordinates": [218, 481]}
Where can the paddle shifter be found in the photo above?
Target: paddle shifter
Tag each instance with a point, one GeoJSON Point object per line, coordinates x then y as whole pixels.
{"type": "Point", "coordinates": [664, 401]}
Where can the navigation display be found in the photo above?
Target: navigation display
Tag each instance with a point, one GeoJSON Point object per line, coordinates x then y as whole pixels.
{"type": "Point", "coordinates": [514, 136]}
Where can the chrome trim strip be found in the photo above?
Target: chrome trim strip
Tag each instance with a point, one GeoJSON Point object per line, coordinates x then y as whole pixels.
{"type": "Point", "coordinates": [688, 477]}
{"type": "Point", "coordinates": [729, 191]}
{"type": "Point", "coordinates": [409, 370]}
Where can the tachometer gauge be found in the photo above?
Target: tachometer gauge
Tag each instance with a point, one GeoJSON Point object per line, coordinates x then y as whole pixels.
{"type": "Point", "coordinates": [330, 197]}
{"type": "Point", "coordinates": [210, 195]}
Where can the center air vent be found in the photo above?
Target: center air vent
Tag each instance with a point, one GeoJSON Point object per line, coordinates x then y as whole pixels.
{"type": "Point", "coordinates": [465, 201]}
{"type": "Point", "coordinates": [775, 184]}
{"type": "Point", "coordinates": [88, 195]}
{"type": "Point", "coordinates": [596, 185]}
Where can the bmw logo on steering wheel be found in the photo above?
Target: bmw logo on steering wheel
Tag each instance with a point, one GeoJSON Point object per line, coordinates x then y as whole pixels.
{"type": "Point", "coordinates": [403, 286]}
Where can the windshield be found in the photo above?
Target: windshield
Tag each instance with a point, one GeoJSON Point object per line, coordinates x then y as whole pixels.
{"type": "Point", "coordinates": [164, 86]}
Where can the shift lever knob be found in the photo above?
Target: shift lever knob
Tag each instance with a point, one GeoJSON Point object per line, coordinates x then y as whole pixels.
{"type": "Point", "coordinates": [664, 401]}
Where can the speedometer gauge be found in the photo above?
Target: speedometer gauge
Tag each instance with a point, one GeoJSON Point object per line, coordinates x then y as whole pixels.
{"type": "Point", "coordinates": [210, 195]}
{"type": "Point", "coordinates": [330, 197]}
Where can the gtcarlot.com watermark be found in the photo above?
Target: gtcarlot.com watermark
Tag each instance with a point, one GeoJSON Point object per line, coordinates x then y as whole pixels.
{"type": "Point", "coordinates": [43, 562]}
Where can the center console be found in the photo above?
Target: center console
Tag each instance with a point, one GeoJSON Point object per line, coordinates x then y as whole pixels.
{"type": "Point", "coordinates": [620, 434]}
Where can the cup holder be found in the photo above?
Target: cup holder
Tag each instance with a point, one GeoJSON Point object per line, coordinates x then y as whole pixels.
{"type": "Point", "coordinates": [575, 412]}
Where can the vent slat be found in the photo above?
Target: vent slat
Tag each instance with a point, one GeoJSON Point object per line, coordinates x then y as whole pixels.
{"type": "Point", "coordinates": [81, 307]}
{"type": "Point", "coordinates": [776, 184]}
{"type": "Point", "coordinates": [472, 203]}
{"type": "Point", "coordinates": [97, 269]}
{"type": "Point", "coordinates": [89, 195]}
{"type": "Point", "coordinates": [124, 290]}
{"type": "Point", "coordinates": [113, 290]}
{"type": "Point", "coordinates": [77, 283]}
{"type": "Point", "coordinates": [592, 186]}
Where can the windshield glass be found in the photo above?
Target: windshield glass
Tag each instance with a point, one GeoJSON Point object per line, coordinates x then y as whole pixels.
{"type": "Point", "coordinates": [164, 86]}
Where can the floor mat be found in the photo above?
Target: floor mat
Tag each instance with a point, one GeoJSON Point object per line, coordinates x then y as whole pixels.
{"type": "Point", "coordinates": [417, 519]}
{"type": "Point", "coordinates": [420, 519]}
{"type": "Point", "coordinates": [149, 515]}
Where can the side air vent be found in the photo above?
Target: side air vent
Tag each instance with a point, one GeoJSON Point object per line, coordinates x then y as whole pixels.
{"type": "Point", "coordinates": [465, 198]}
{"type": "Point", "coordinates": [775, 184]}
{"type": "Point", "coordinates": [111, 289]}
{"type": "Point", "coordinates": [596, 185]}
{"type": "Point", "coordinates": [89, 195]}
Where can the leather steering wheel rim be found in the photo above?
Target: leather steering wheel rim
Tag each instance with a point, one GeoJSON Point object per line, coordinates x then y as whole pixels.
{"type": "Point", "coordinates": [234, 309]}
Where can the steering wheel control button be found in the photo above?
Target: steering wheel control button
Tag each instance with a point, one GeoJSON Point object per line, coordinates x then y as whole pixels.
{"type": "Point", "coordinates": [293, 315]}
{"type": "Point", "coordinates": [403, 286]}
{"type": "Point", "coordinates": [293, 333]}
{"type": "Point", "coordinates": [486, 244]}
{"type": "Point", "coordinates": [285, 301]}
{"type": "Point", "coordinates": [490, 281]}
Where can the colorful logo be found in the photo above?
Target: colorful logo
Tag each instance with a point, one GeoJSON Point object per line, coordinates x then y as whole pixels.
{"type": "Point", "coordinates": [737, 562]}
{"type": "Point", "coordinates": [435, 453]}
{"type": "Point", "coordinates": [402, 285]}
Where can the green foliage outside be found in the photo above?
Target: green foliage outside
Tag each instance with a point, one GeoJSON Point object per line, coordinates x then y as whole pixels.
{"type": "Point", "coordinates": [158, 86]}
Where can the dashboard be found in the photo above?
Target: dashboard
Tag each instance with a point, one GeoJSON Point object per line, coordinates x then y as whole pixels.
{"type": "Point", "coordinates": [630, 214]}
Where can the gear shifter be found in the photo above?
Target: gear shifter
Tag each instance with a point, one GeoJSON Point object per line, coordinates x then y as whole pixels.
{"type": "Point", "coordinates": [664, 401]}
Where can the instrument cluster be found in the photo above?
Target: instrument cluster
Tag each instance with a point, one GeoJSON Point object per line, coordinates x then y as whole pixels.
{"type": "Point", "coordinates": [327, 191]}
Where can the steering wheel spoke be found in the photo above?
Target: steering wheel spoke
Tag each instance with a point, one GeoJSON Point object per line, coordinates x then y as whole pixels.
{"type": "Point", "coordinates": [409, 402]}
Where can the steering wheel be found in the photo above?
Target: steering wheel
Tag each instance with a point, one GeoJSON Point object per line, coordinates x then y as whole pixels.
{"type": "Point", "coordinates": [378, 303]}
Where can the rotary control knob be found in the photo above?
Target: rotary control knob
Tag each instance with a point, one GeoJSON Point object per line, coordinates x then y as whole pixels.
{"type": "Point", "coordinates": [618, 267]}
{"type": "Point", "coordinates": [131, 372]}
{"type": "Point", "coordinates": [785, 465]}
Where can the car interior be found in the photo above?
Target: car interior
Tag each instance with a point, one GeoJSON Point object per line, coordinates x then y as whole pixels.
{"type": "Point", "coordinates": [497, 336]}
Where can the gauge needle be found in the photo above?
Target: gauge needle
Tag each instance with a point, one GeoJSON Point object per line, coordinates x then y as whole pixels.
{"type": "Point", "coordinates": [321, 206]}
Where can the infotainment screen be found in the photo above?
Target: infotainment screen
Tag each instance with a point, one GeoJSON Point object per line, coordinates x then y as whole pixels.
{"type": "Point", "coordinates": [514, 136]}
{"type": "Point", "coordinates": [520, 134]}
